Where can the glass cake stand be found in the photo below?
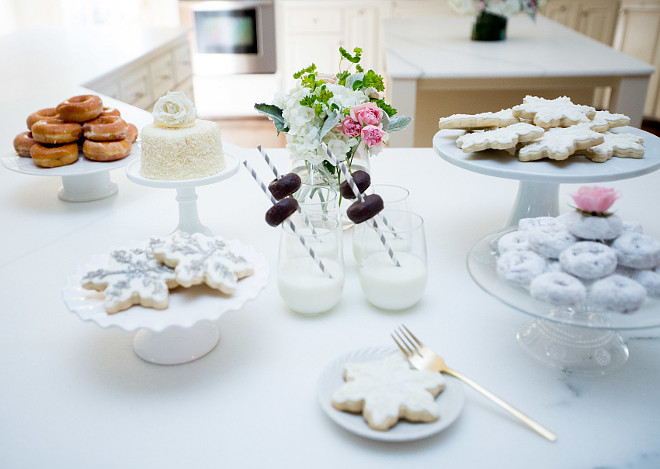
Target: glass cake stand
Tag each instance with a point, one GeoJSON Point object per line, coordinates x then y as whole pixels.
{"type": "Point", "coordinates": [581, 341]}
{"type": "Point", "coordinates": [538, 189]}
{"type": "Point", "coordinates": [186, 330]}
{"type": "Point", "coordinates": [186, 195]}
{"type": "Point", "coordinates": [82, 181]}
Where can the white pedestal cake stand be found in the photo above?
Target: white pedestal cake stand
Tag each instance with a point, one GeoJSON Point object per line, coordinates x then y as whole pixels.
{"type": "Point", "coordinates": [186, 195]}
{"type": "Point", "coordinates": [584, 341]}
{"type": "Point", "coordinates": [82, 181]}
{"type": "Point", "coordinates": [186, 329]}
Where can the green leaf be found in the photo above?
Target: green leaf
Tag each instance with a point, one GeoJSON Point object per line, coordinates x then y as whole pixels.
{"type": "Point", "coordinates": [385, 107]}
{"type": "Point", "coordinates": [350, 81]}
{"type": "Point", "coordinates": [330, 122]}
{"type": "Point", "coordinates": [399, 123]}
{"type": "Point", "coordinates": [273, 113]}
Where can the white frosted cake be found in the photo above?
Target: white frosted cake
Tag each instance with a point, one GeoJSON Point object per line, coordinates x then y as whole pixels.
{"type": "Point", "coordinates": [177, 145]}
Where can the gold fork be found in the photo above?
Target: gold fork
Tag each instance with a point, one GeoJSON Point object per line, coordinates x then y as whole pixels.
{"type": "Point", "coordinates": [423, 358]}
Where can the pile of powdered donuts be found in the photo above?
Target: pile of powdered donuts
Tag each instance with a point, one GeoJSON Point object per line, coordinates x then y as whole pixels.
{"type": "Point", "coordinates": [586, 257]}
{"type": "Point", "coordinates": [55, 136]}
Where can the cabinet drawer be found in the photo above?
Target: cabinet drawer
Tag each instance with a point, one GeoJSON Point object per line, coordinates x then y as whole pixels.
{"type": "Point", "coordinates": [134, 88]}
{"type": "Point", "coordinates": [161, 71]}
{"type": "Point", "coordinates": [182, 62]}
{"type": "Point", "coordinates": [317, 20]}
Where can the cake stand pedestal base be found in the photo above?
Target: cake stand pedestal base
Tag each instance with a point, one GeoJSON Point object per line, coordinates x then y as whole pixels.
{"type": "Point", "coordinates": [574, 350]}
{"type": "Point", "coordinates": [176, 345]}
{"type": "Point", "coordinates": [87, 187]}
{"type": "Point", "coordinates": [535, 199]}
{"type": "Point", "coordinates": [188, 215]}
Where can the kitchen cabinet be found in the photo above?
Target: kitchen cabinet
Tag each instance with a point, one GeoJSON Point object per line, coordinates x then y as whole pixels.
{"type": "Point", "coordinates": [638, 34]}
{"type": "Point", "coordinates": [594, 18]}
{"type": "Point", "coordinates": [141, 82]}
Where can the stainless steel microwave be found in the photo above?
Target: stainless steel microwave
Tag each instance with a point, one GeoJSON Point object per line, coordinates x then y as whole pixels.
{"type": "Point", "coordinates": [231, 36]}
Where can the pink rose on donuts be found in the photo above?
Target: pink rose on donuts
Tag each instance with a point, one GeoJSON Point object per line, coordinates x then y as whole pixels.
{"type": "Point", "coordinates": [367, 114]}
{"type": "Point", "coordinates": [595, 199]}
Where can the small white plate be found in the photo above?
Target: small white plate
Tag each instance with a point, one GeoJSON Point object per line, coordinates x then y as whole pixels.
{"type": "Point", "coordinates": [451, 401]}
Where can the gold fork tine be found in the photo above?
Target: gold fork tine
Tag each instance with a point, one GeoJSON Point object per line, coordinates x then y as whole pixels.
{"type": "Point", "coordinates": [405, 350]}
{"type": "Point", "coordinates": [410, 346]}
{"type": "Point", "coordinates": [412, 335]}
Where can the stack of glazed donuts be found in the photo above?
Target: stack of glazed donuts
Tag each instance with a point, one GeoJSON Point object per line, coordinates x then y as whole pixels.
{"type": "Point", "coordinates": [54, 134]}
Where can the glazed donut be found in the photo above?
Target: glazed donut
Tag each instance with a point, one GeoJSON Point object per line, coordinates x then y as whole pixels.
{"type": "Point", "coordinates": [55, 131]}
{"type": "Point", "coordinates": [286, 185]}
{"type": "Point", "coordinates": [558, 288]}
{"type": "Point", "coordinates": [105, 129]}
{"type": "Point", "coordinates": [588, 260]}
{"type": "Point", "coordinates": [362, 181]}
{"type": "Point", "coordinates": [618, 293]}
{"type": "Point", "coordinates": [106, 151]}
{"type": "Point", "coordinates": [550, 241]}
{"type": "Point", "coordinates": [513, 241]}
{"type": "Point", "coordinates": [110, 111]}
{"type": "Point", "coordinates": [520, 267]}
{"type": "Point", "coordinates": [637, 250]}
{"type": "Point", "coordinates": [363, 211]}
{"type": "Point", "coordinates": [54, 156]}
{"type": "Point", "coordinates": [47, 113]}
{"type": "Point", "coordinates": [80, 108]}
{"type": "Point", "coordinates": [22, 144]}
{"type": "Point", "coordinates": [131, 133]}
{"type": "Point", "coordinates": [595, 228]}
{"type": "Point", "coordinates": [281, 211]}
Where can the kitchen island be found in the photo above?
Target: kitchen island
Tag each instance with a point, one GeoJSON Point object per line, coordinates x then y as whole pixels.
{"type": "Point", "coordinates": [435, 70]}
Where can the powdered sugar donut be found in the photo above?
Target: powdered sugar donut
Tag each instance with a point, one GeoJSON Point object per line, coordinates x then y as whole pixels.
{"type": "Point", "coordinates": [649, 279]}
{"type": "Point", "coordinates": [618, 293]}
{"type": "Point", "coordinates": [637, 250]}
{"type": "Point", "coordinates": [526, 224]}
{"type": "Point", "coordinates": [588, 260]}
{"type": "Point", "coordinates": [550, 241]}
{"type": "Point", "coordinates": [513, 241]}
{"type": "Point", "coordinates": [634, 226]}
{"type": "Point", "coordinates": [558, 288]}
{"type": "Point", "coordinates": [593, 227]}
{"type": "Point", "coordinates": [520, 267]}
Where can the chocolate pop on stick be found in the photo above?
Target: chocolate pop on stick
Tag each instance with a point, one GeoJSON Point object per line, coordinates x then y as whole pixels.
{"type": "Point", "coordinates": [361, 199]}
{"type": "Point", "coordinates": [291, 225]}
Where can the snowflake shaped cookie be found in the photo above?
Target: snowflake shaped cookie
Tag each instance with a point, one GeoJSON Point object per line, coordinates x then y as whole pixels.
{"type": "Point", "coordinates": [499, 139]}
{"type": "Point", "coordinates": [132, 276]}
{"type": "Point", "coordinates": [561, 142]}
{"type": "Point", "coordinates": [620, 145]}
{"type": "Point", "coordinates": [548, 113]}
{"type": "Point", "coordinates": [389, 390]}
{"type": "Point", "coordinates": [198, 259]}
{"type": "Point", "coordinates": [478, 121]}
{"type": "Point", "coordinates": [605, 120]}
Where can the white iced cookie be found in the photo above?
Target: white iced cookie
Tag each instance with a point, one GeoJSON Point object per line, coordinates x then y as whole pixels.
{"type": "Point", "coordinates": [560, 143]}
{"type": "Point", "coordinates": [618, 293]}
{"type": "Point", "coordinates": [198, 259]}
{"type": "Point", "coordinates": [605, 120]}
{"type": "Point", "coordinates": [482, 120]}
{"type": "Point", "coordinates": [132, 276]}
{"type": "Point", "coordinates": [594, 227]}
{"type": "Point", "coordinates": [620, 145]}
{"type": "Point", "coordinates": [499, 139]}
{"type": "Point", "coordinates": [559, 112]}
{"type": "Point", "coordinates": [389, 390]}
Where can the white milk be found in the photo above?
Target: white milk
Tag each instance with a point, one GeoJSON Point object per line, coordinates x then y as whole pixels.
{"type": "Point", "coordinates": [306, 289]}
{"type": "Point", "coordinates": [390, 287]}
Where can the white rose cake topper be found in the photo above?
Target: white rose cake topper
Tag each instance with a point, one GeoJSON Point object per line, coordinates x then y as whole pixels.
{"type": "Point", "coordinates": [174, 110]}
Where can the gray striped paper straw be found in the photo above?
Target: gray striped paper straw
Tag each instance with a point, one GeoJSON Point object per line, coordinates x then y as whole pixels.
{"type": "Point", "coordinates": [360, 197]}
{"type": "Point", "coordinates": [263, 187]}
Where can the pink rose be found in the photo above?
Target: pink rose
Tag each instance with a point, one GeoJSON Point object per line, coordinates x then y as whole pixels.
{"type": "Point", "coordinates": [367, 114]}
{"type": "Point", "coordinates": [594, 199]}
{"type": "Point", "coordinates": [349, 127]}
{"type": "Point", "coordinates": [372, 135]}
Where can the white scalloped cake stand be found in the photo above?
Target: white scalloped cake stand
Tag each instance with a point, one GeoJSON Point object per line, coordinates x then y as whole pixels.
{"type": "Point", "coordinates": [538, 189]}
{"type": "Point", "coordinates": [185, 191]}
{"type": "Point", "coordinates": [82, 181]}
{"type": "Point", "coordinates": [183, 332]}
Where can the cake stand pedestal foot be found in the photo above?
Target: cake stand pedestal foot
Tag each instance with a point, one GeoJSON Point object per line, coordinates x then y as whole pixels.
{"type": "Point", "coordinates": [535, 199]}
{"type": "Point", "coordinates": [87, 187]}
{"type": "Point", "coordinates": [188, 214]}
{"type": "Point", "coordinates": [574, 350]}
{"type": "Point", "coordinates": [176, 345]}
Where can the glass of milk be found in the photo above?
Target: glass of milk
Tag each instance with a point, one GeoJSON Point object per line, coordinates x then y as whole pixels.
{"type": "Point", "coordinates": [385, 284]}
{"type": "Point", "coordinates": [302, 284]}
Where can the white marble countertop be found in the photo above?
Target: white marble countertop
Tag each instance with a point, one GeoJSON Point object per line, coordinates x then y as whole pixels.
{"type": "Point", "coordinates": [75, 395]}
{"type": "Point", "coordinates": [440, 47]}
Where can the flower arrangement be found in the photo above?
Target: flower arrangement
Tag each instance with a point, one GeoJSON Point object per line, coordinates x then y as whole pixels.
{"type": "Point", "coordinates": [503, 8]}
{"type": "Point", "coordinates": [346, 112]}
{"type": "Point", "coordinates": [595, 200]}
